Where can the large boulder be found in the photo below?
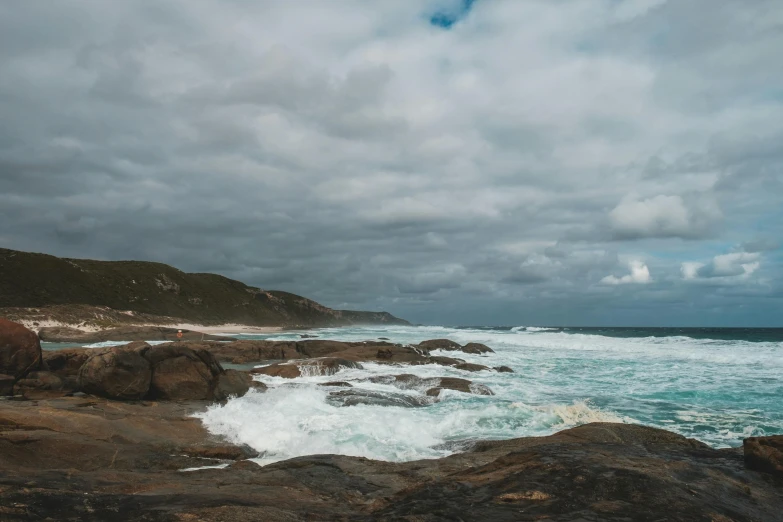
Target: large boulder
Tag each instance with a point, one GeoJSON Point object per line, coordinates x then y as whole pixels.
{"type": "Point", "coordinates": [20, 350]}
{"type": "Point", "coordinates": [179, 373]}
{"type": "Point", "coordinates": [764, 454]}
{"type": "Point", "coordinates": [116, 373]}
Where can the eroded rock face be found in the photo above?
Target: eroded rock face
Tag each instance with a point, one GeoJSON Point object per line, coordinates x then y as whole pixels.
{"type": "Point", "coordinates": [764, 454]}
{"type": "Point", "coordinates": [20, 350]}
{"type": "Point", "coordinates": [116, 374]}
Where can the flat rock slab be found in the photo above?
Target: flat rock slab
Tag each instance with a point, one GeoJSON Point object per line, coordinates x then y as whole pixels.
{"type": "Point", "coordinates": [87, 459]}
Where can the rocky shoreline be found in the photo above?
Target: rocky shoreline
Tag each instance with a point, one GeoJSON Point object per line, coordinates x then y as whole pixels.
{"type": "Point", "coordinates": [107, 434]}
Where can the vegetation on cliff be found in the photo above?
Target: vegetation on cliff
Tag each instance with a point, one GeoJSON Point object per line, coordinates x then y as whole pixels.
{"type": "Point", "coordinates": [29, 281]}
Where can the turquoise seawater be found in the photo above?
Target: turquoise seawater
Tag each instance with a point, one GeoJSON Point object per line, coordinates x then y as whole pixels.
{"type": "Point", "coordinates": [715, 385]}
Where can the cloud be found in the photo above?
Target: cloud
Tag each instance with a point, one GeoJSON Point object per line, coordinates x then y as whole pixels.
{"type": "Point", "coordinates": [663, 216]}
{"type": "Point", "coordinates": [734, 265]}
{"type": "Point", "coordinates": [640, 274]}
{"type": "Point", "coordinates": [358, 153]}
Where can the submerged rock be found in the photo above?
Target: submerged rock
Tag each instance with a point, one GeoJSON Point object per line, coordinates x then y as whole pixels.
{"type": "Point", "coordinates": [503, 369]}
{"type": "Point", "coordinates": [307, 368]}
{"type": "Point", "coordinates": [356, 396]}
{"type": "Point", "coordinates": [20, 350]}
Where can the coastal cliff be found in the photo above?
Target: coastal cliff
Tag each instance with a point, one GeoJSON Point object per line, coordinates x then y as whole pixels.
{"type": "Point", "coordinates": [108, 293]}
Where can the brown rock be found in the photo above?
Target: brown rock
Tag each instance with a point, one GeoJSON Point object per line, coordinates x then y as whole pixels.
{"type": "Point", "coordinates": [470, 367]}
{"type": "Point", "coordinates": [764, 454]}
{"type": "Point", "coordinates": [323, 366]}
{"type": "Point", "coordinates": [385, 353]}
{"type": "Point", "coordinates": [440, 344]}
{"type": "Point", "coordinates": [503, 369]}
{"type": "Point", "coordinates": [477, 348]}
{"type": "Point", "coordinates": [64, 363]}
{"type": "Point", "coordinates": [181, 378]}
{"type": "Point", "coordinates": [20, 350]}
{"type": "Point", "coordinates": [116, 374]}
{"type": "Point", "coordinates": [232, 383]}
{"type": "Point", "coordinates": [43, 384]}
{"type": "Point", "coordinates": [443, 361]}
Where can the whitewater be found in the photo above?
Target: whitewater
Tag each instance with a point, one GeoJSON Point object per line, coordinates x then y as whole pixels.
{"type": "Point", "coordinates": [718, 391]}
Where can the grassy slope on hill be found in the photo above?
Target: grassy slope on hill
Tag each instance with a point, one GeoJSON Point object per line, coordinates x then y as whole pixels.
{"type": "Point", "coordinates": [30, 280]}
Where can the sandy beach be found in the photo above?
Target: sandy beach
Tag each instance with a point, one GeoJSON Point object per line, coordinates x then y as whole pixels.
{"type": "Point", "coordinates": [231, 329]}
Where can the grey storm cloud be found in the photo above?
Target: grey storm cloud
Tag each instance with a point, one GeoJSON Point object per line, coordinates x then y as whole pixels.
{"type": "Point", "coordinates": [583, 162]}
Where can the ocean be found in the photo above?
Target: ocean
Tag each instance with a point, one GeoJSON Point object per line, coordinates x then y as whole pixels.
{"type": "Point", "coordinates": [715, 385]}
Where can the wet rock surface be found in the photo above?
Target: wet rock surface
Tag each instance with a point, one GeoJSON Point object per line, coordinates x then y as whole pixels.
{"type": "Point", "coordinates": [86, 459]}
{"type": "Point", "coordinates": [309, 367]}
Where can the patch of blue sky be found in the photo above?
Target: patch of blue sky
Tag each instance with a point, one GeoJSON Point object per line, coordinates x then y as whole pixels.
{"type": "Point", "coordinates": [450, 13]}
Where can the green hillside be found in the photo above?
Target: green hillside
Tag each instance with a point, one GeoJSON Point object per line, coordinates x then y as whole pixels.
{"type": "Point", "coordinates": [29, 280]}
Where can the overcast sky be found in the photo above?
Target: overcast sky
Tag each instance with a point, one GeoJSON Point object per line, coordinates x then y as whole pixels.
{"type": "Point", "coordinates": [517, 162]}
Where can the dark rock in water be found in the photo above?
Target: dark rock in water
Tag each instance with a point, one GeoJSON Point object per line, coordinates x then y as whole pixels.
{"type": "Point", "coordinates": [232, 383]}
{"type": "Point", "coordinates": [764, 454]}
{"type": "Point", "coordinates": [383, 338]}
{"type": "Point", "coordinates": [440, 344]}
{"type": "Point", "coordinates": [477, 348]}
{"type": "Point", "coordinates": [307, 367]}
{"type": "Point", "coordinates": [470, 367]}
{"type": "Point", "coordinates": [432, 385]}
{"type": "Point", "coordinates": [355, 396]}
{"type": "Point", "coordinates": [20, 350]}
{"type": "Point", "coordinates": [337, 384]}
{"type": "Point", "coordinates": [503, 369]}
{"type": "Point", "coordinates": [307, 336]}
{"type": "Point", "coordinates": [443, 361]}
{"type": "Point", "coordinates": [116, 374]}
